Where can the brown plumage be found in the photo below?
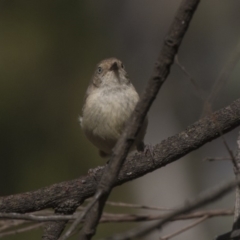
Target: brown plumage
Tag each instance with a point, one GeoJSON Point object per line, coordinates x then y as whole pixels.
{"type": "Point", "coordinates": [110, 100]}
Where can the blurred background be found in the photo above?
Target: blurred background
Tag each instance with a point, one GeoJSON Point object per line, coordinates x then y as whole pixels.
{"type": "Point", "coordinates": [48, 52]}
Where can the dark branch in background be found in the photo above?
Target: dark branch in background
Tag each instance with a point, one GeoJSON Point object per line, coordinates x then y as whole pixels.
{"type": "Point", "coordinates": [223, 78]}
{"type": "Point", "coordinates": [198, 91]}
{"type": "Point", "coordinates": [200, 201]}
{"type": "Point", "coordinates": [191, 225]}
{"type": "Point", "coordinates": [161, 71]}
{"type": "Point", "coordinates": [131, 205]}
{"type": "Point", "coordinates": [221, 81]}
{"type": "Point", "coordinates": [18, 220]}
{"type": "Point", "coordinates": [232, 158]}
{"type": "Point", "coordinates": [212, 159]}
{"type": "Point", "coordinates": [237, 173]}
{"type": "Point", "coordinates": [236, 222]}
{"type": "Point", "coordinates": [113, 217]}
{"type": "Point", "coordinates": [24, 229]}
{"type": "Point", "coordinates": [69, 194]}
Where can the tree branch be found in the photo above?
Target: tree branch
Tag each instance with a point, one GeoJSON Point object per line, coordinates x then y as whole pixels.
{"type": "Point", "coordinates": [18, 220]}
{"type": "Point", "coordinates": [120, 151]}
{"type": "Point", "coordinates": [200, 201]}
{"type": "Point", "coordinates": [224, 75]}
{"type": "Point", "coordinates": [236, 220]}
{"type": "Point", "coordinates": [67, 194]}
{"type": "Point", "coordinates": [112, 217]}
{"type": "Point", "coordinates": [191, 225]}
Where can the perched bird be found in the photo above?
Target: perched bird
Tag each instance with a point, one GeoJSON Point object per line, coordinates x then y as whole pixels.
{"type": "Point", "coordinates": [110, 100]}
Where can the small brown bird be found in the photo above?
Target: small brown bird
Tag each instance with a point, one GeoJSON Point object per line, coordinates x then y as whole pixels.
{"type": "Point", "coordinates": [109, 102]}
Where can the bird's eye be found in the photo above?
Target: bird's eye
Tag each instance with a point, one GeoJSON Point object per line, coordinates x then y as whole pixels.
{"type": "Point", "coordinates": [99, 69]}
{"type": "Point", "coordinates": [122, 65]}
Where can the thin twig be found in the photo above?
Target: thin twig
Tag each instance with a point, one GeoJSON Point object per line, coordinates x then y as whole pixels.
{"type": "Point", "coordinates": [200, 201]}
{"type": "Point", "coordinates": [211, 159]}
{"type": "Point", "coordinates": [25, 229]}
{"type": "Point", "coordinates": [223, 78]}
{"type": "Point", "coordinates": [131, 205]}
{"type": "Point", "coordinates": [185, 228]}
{"type": "Point", "coordinates": [9, 224]}
{"type": "Point", "coordinates": [237, 194]}
{"type": "Point", "coordinates": [36, 218]}
{"type": "Point", "coordinates": [109, 217]}
{"type": "Point", "coordinates": [142, 217]}
{"type": "Point", "coordinates": [106, 218]}
{"type": "Point", "coordinates": [232, 158]}
{"type": "Point", "coordinates": [81, 216]}
{"type": "Point", "coordinates": [199, 91]}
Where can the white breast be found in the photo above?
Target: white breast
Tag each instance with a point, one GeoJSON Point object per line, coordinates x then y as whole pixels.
{"type": "Point", "coordinates": [105, 114]}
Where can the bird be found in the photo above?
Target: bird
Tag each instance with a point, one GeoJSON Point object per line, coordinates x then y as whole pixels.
{"type": "Point", "coordinates": [109, 102]}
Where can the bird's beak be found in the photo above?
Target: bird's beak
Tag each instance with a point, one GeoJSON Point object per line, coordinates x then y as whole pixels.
{"type": "Point", "coordinates": [114, 67]}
